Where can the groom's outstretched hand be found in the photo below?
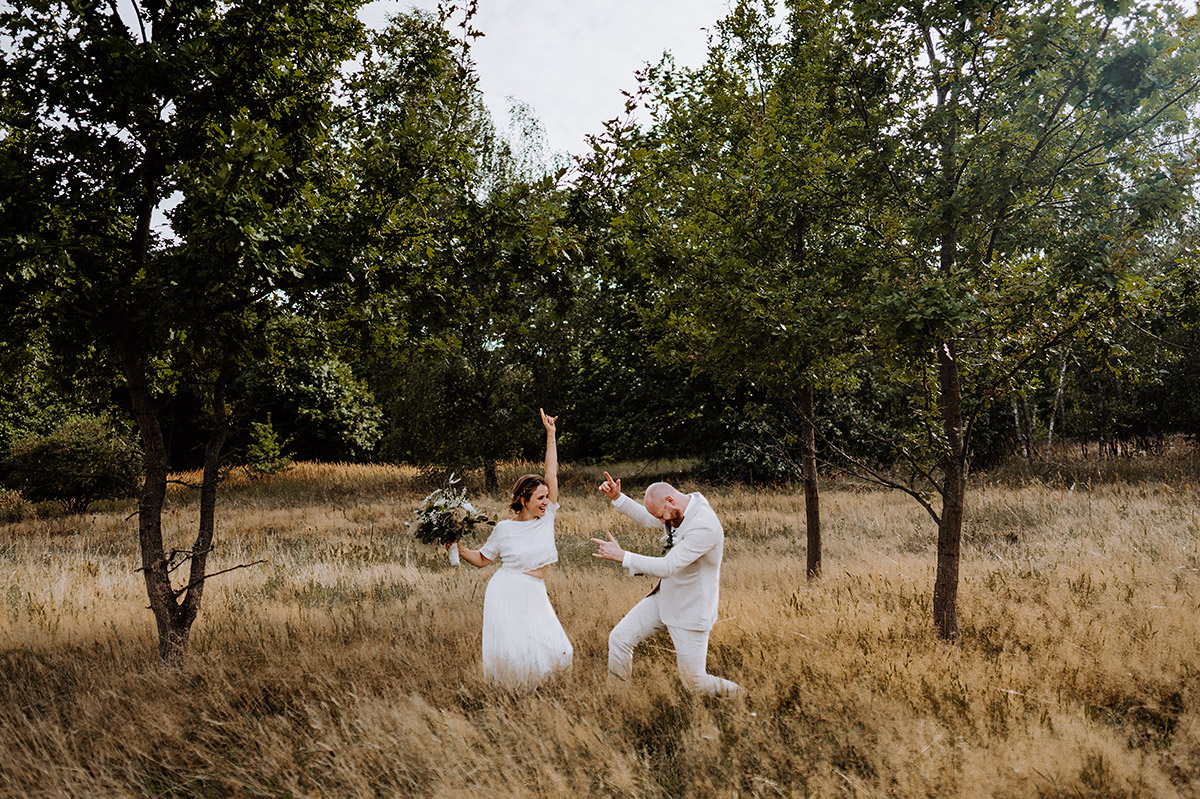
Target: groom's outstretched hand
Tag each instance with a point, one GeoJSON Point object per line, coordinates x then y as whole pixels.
{"type": "Point", "coordinates": [609, 550]}
{"type": "Point", "coordinates": [610, 488]}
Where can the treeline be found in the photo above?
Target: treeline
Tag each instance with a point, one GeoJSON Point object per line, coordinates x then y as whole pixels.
{"type": "Point", "coordinates": [405, 280]}
{"type": "Point", "coordinates": [903, 237]}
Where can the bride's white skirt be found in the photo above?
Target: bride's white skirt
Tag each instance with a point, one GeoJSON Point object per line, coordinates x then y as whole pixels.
{"type": "Point", "coordinates": [523, 641]}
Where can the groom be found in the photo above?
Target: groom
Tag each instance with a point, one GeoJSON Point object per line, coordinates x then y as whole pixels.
{"type": "Point", "coordinates": [684, 603]}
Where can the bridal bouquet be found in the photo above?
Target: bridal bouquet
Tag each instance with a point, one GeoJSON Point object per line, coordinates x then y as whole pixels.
{"type": "Point", "coordinates": [445, 516]}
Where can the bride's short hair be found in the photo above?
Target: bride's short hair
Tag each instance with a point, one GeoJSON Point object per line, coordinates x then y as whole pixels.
{"type": "Point", "coordinates": [525, 486]}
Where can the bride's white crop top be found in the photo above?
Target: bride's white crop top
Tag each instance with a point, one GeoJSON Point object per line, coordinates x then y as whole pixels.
{"type": "Point", "coordinates": [523, 546]}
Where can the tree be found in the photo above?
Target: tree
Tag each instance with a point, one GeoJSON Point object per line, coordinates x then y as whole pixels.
{"type": "Point", "coordinates": [228, 109]}
{"type": "Point", "coordinates": [1030, 146]}
{"type": "Point", "coordinates": [746, 190]}
{"type": "Point", "coordinates": [310, 389]}
{"type": "Point", "coordinates": [480, 363]}
{"type": "Point", "coordinates": [36, 395]}
{"type": "Point", "coordinates": [1018, 152]}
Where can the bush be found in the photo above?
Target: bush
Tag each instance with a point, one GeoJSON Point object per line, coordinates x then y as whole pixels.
{"type": "Point", "coordinates": [14, 507]}
{"type": "Point", "coordinates": [82, 461]}
{"type": "Point", "coordinates": [265, 454]}
{"type": "Point", "coordinates": [752, 454]}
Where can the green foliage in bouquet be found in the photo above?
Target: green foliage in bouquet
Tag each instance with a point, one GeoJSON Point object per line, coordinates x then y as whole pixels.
{"type": "Point", "coordinates": [446, 515]}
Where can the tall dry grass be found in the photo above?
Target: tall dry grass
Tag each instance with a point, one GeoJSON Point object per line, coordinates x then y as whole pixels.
{"type": "Point", "coordinates": [347, 665]}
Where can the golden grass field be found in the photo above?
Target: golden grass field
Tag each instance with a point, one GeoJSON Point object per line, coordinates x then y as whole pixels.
{"type": "Point", "coordinates": [347, 665]}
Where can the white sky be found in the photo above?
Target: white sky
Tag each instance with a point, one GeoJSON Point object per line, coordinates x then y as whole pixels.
{"type": "Point", "coordinates": [570, 59]}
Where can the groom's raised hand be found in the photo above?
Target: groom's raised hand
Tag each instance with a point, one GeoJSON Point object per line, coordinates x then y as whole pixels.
{"type": "Point", "coordinates": [610, 488]}
{"type": "Point", "coordinates": [609, 550]}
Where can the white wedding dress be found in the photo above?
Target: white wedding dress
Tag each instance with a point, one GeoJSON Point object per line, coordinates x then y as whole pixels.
{"type": "Point", "coordinates": [523, 641]}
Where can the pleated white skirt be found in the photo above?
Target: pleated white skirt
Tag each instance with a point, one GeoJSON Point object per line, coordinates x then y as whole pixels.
{"type": "Point", "coordinates": [523, 641]}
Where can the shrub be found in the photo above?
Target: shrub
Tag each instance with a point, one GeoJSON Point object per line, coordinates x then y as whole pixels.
{"type": "Point", "coordinates": [265, 454]}
{"type": "Point", "coordinates": [754, 454]}
{"type": "Point", "coordinates": [14, 507]}
{"type": "Point", "coordinates": [83, 460]}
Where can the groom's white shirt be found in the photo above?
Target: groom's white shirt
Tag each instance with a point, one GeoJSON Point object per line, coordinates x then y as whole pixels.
{"type": "Point", "coordinates": [691, 569]}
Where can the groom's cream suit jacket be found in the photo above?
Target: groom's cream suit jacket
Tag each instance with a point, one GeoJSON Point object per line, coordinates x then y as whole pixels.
{"type": "Point", "coordinates": [691, 569]}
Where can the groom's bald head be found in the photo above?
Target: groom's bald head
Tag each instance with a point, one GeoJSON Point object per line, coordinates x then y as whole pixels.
{"type": "Point", "coordinates": [656, 492]}
{"type": "Point", "coordinates": [665, 503]}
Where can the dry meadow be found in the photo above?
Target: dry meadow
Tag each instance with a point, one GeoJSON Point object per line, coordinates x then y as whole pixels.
{"type": "Point", "coordinates": [347, 664]}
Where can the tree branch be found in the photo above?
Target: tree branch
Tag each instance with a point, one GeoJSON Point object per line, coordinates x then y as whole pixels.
{"type": "Point", "coordinates": [1160, 339]}
{"type": "Point", "coordinates": [201, 580]}
{"type": "Point", "coordinates": [871, 475]}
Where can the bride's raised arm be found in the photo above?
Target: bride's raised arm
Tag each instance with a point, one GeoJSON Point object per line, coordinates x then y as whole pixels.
{"type": "Point", "coordinates": [551, 456]}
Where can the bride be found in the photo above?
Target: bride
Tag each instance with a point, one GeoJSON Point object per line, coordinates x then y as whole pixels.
{"type": "Point", "coordinates": [523, 641]}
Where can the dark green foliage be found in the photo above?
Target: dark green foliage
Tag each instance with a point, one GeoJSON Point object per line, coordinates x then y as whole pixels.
{"type": "Point", "coordinates": [754, 453]}
{"type": "Point", "coordinates": [83, 460]}
{"type": "Point", "coordinates": [29, 404]}
{"type": "Point", "coordinates": [265, 452]}
{"type": "Point", "coordinates": [775, 225]}
{"type": "Point", "coordinates": [442, 408]}
{"type": "Point", "coordinates": [315, 402]}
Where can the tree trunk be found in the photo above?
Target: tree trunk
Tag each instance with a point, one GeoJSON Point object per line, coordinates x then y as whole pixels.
{"type": "Point", "coordinates": [491, 481]}
{"type": "Point", "coordinates": [172, 639]}
{"type": "Point", "coordinates": [954, 481]}
{"type": "Point", "coordinates": [1056, 406]}
{"type": "Point", "coordinates": [174, 619]}
{"type": "Point", "coordinates": [1020, 430]}
{"type": "Point", "coordinates": [812, 497]}
{"type": "Point", "coordinates": [218, 431]}
{"type": "Point", "coordinates": [954, 490]}
{"type": "Point", "coordinates": [1029, 425]}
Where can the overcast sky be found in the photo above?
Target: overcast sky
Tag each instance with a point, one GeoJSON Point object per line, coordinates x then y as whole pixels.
{"type": "Point", "coordinates": [570, 59]}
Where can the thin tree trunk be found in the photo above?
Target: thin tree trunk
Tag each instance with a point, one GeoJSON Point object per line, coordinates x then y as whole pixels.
{"type": "Point", "coordinates": [808, 431]}
{"type": "Point", "coordinates": [218, 432]}
{"type": "Point", "coordinates": [1102, 424]}
{"type": "Point", "coordinates": [1056, 406]}
{"type": "Point", "coordinates": [1020, 431]}
{"type": "Point", "coordinates": [1029, 425]}
{"type": "Point", "coordinates": [954, 467]}
{"type": "Point", "coordinates": [150, 502]}
{"type": "Point", "coordinates": [945, 588]}
{"type": "Point", "coordinates": [954, 480]}
{"type": "Point", "coordinates": [812, 497]}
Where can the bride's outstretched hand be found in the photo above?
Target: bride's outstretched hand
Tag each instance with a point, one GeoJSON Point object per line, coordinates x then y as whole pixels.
{"type": "Point", "coordinates": [611, 488]}
{"type": "Point", "coordinates": [548, 421]}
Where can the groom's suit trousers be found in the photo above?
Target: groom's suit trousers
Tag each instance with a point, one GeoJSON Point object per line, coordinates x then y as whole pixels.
{"type": "Point", "coordinates": [691, 648]}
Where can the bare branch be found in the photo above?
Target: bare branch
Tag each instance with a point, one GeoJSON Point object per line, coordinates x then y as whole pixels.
{"type": "Point", "coordinates": [1172, 344]}
{"type": "Point", "coordinates": [201, 580]}
{"type": "Point", "coordinates": [872, 475]}
{"type": "Point", "coordinates": [189, 554]}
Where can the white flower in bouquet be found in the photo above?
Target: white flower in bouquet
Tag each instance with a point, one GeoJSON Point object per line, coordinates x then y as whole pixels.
{"type": "Point", "coordinates": [446, 516]}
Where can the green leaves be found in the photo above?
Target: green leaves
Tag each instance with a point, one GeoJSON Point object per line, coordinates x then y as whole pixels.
{"type": "Point", "coordinates": [740, 197]}
{"type": "Point", "coordinates": [914, 311]}
{"type": "Point", "coordinates": [83, 460]}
